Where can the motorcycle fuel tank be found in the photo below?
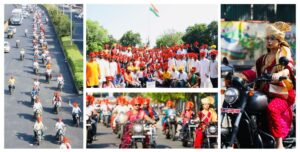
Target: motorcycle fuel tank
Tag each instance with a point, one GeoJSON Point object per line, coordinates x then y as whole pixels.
{"type": "Point", "coordinates": [257, 103]}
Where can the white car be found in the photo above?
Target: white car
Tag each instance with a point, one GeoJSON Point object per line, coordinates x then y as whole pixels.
{"type": "Point", "coordinates": [6, 47]}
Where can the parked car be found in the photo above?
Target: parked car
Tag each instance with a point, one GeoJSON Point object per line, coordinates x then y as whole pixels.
{"type": "Point", "coordinates": [6, 47]}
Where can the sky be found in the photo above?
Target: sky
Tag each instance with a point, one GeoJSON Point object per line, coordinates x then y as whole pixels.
{"type": "Point", "coordinates": [120, 18]}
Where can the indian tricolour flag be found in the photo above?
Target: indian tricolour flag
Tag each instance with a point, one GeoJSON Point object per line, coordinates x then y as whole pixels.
{"type": "Point", "coordinates": [154, 10]}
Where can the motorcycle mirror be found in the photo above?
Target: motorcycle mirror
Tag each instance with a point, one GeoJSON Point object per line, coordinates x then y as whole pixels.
{"type": "Point", "coordinates": [283, 61]}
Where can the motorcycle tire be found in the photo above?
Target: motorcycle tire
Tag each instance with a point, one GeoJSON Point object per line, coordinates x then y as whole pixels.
{"type": "Point", "coordinates": [77, 122]}
{"type": "Point", "coordinates": [184, 143]}
{"type": "Point", "coordinates": [173, 133]}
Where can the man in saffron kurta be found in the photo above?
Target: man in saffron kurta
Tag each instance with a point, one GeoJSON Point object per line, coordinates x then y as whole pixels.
{"type": "Point", "coordinates": [92, 72]}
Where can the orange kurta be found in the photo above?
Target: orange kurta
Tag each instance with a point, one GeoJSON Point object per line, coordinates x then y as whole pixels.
{"type": "Point", "coordinates": [92, 73]}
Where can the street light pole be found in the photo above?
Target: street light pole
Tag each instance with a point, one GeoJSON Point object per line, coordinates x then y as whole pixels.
{"type": "Point", "coordinates": [71, 27]}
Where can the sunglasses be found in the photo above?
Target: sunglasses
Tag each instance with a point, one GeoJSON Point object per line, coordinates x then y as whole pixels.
{"type": "Point", "coordinates": [271, 38]}
{"type": "Point", "coordinates": [137, 105]}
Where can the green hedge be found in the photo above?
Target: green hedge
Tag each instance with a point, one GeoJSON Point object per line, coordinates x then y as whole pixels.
{"type": "Point", "coordinates": [61, 24]}
{"type": "Point", "coordinates": [75, 60]}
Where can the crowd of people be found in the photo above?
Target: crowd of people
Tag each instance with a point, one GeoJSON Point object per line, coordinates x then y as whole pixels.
{"type": "Point", "coordinates": [125, 111]}
{"type": "Point", "coordinates": [178, 66]}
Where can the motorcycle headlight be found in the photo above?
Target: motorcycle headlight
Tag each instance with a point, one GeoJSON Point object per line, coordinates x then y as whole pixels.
{"type": "Point", "coordinates": [172, 117]}
{"type": "Point", "coordinates": [212, 129]}
{"type": "Point", "coordinates": [231, 95]}
{"type": "Point", "coordinates": [137, 128]}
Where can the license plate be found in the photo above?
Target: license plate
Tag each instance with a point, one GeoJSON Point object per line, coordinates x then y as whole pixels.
{"type": "Point", "coordinates": [230, 110]}
{"type": "Point", "coordinates": [212, 136]}
{"type": "Point", "coordinates": [138, 137]}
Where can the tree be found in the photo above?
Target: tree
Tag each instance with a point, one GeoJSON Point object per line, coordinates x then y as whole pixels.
{"type": "Point", "coordinates": [169, 39]}
{"type": "Point", "coordinates": [212, 32]}
{"type": "Point", "coordinates": [130, 39]}
{"type": "Point", "coordinates": [202, 33]}
{"type": "Point", "coordinates": [96, 36]}
{"type": "Point", "coordinates": [112, 40]}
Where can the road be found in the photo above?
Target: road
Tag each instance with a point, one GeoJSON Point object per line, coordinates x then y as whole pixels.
{"type": "Point", "coordinates": [18, 109]}
{"type": "Point", "coordinates": [77, 26]}
{"type": "Point", "coordinates": [107, 139]}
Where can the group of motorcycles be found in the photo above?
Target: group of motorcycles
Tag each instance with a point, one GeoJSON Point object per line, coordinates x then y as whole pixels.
{"type": "Point", "coordinates": [38, 44]}
{"type": "Point", "coordinates": [144, 134]}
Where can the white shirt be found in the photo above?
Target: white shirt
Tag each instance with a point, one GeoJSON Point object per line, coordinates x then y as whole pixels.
{"type": "Point", "coordinates": [213, 69]}
{"type": "Point", "coordinates": [113, 67]}
{"type": "Point", "coordinates": [76, 110]}
{"type": "Point", "coordinates": [38, 126]}
{"type": "Point", "coordinates": [171, 63]}
{"type": "Point", "coordinates": [183, 76]}
{"type": "Point", "coordinates": [35, 64]}
{"type": "Point", "coordinates": [37, 106]}
{"type": "Point", "coordinates": [60, 79]}
{"type": "Point", "coordinates": [89, 110]}
{"type": "Point", "coordinates": [36, 83]}
{"type": "Point", "coordinates": [59, 125]}
{"type": "Point", "coordinates": [175, 75]}
{"type": "Point", "coordinates": [120, 109]}
{"type": "Point", "coordinates": [65, 146]}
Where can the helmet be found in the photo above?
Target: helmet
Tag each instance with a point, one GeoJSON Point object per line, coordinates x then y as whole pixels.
{"type": "Point", "coordinates": [169, 103]}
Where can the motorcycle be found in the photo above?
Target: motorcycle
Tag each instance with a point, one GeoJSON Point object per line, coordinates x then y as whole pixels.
{"type": "Point", "coordinates": [119, 129]}
{"type": "Point", "coordinates": [56, 107]}
{"type": "Point", "coordinates": [210, 136]}
{"type": "Point", "coordinates": [33, 98]}
{"type": "Point", "coordinates": [89, 131]}
{"type": "Point", "coordinates": [137, 135]}
{"type": "Point", "coordinates": [244, 110]}
{"type": "Point", "coordinates": [152, 135]}
{"type": "Point", "coordinates": [35, 70]}
{"type": "Point", "coordinates": [22, 55]}
{"type": "Point", "coordinates": [11, 89]}
{"type": "Point", "coordinates": [106, 118]}
{"type": "Point", "coordinates": [60, 134]}
{"type": "Point", "coordinates": [76, 119]}
{"type": "Point", "coordinates": [171, 127]}
{"type": "Point", "coordinates": [48, 76]}
{"type": "Point", "coordinates": [18, 43]}
{"type": "Point", "coordinates": [39, 136]}
{"type": "Point", "coordinates": [187, 132]}
{"type": "Point", "coordinates": [60, 85]}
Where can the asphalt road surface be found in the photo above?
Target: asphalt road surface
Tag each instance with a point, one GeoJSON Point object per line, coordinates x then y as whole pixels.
{"type": "Point", "coordinates": [18, 109]}
{"type": "Point", "coordinates": [107, 139]}
{"type": "Point", "coordinates": [77, 25]}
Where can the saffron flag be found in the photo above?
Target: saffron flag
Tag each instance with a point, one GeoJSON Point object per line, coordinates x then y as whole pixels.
{"type": "Point", "coordinates": [154, 10]}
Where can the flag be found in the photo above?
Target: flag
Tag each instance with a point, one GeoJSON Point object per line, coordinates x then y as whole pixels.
{"type": "Point", "coordinates": [154, 10]}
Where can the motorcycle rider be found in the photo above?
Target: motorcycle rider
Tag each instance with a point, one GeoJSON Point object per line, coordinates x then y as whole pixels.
{"type": "Point", "coordinates": [279, 109]}
{"type": "Point", "coordinates": [149, 110]}
{"type": "Point", "coordinates": [18, 41]}
{"type": "Point", "coordinates": [11, 82]}
{"type": "Point", "coordinates": [38, 126]}
{"type": "Point", "coordinates": [56, 100]}
{"type": "Point", "coordinates": [59, 126]}
{"type": "Point", "coordinates": [206, 115]}
{"type": "Point", "coordinates": [36, 83]}
{"type": "Point", "coordinates": [105, 108]}
{"type": "Point", "coordinates": [92, 114]}
{"type": "Point", "coordinates": [133, 115]}
{"type": "Point", "coordinates": [166, 112]}
{"type": "Point", "coordinates": [75, 110]}
{"type": "Point", "coordinates": [22, 52]}
{"type": "Point", "coordinates": [120, 108]}
{"type": "Point", "coordinates": [65, 144]}
{"type": "Point", "coordinates": [37, 105]}
{"type": "Point", "coordinates": [186, 115]}
{"type": "Point", "coordinates": [34, 94]}
{"type": "Point", "coordinates": [36, 65]}
{"type": "Point", "coordinates": [48, 71]}
{"type": "Point", "coordinates": [26, 31]}
{"type": "Point", "coordinates": [60, 79]}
